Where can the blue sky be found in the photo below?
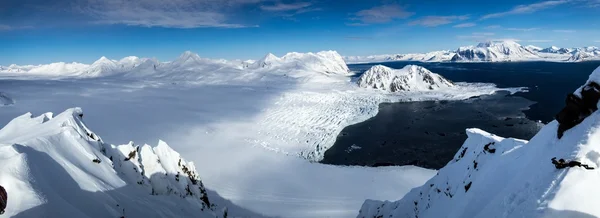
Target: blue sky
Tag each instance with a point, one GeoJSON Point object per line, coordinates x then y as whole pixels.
{"type": "Point", "coordinates": [40, 31]}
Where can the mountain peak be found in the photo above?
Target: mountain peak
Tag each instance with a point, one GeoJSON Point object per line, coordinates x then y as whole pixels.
{"type": "Point", "coordinates": [102, 60]}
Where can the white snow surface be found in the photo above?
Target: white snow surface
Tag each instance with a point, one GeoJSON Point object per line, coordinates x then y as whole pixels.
{"type": "Point", "coordinates": [517, 180]}
{"type": "Point", "coordinates": [48, 170]}
{"type": "Point", "coordinates": [492, 51]}
{"type": "Point", "coordinates": [253, 134]}
{"type": "Point", "coordinates": [409, 78]}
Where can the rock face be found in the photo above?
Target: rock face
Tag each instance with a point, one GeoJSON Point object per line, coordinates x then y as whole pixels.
{"type": "Point", "coordinates": [409, 78]}
{"type": "Point", "coordinates": [491, 176]}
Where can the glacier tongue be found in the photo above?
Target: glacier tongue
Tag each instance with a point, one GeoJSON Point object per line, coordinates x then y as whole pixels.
{"type": "Point", "coordinates": [491, 176]}
{"type": "Point", "coordinates": [57, 167]}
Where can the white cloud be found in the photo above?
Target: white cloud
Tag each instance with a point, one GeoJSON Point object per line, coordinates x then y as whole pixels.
{"type": "Point", "coordinates": [286, 7]}
{"type": "Point", "coordinates": [493, 27]}
{"type": "Point", "coordinates": [540, 40]}
{"type": "Point", "coordinates": [158, 13]}
{"type": "Point", "coordinates": [526, 9]}
{"type": "Point", "coordinates": [432, 21]}
{"type": "Point", "coordinates": [522, 29]}
{"type": "Point", "coordinates": [382, 14]}
{"type": "Point", "coordinates": [564, 31]}
{"type": "Point", "coordinates": [464, 25]}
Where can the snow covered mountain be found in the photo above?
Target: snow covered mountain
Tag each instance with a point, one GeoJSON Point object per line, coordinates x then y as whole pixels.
{"type": "Point", "coordinates": [326, 62]}
{"type": "Point", "coordinates": [494, 51]}
{"type": "Point", "coordinates": [190, 66]}
{"type": "Point", "coordinates": [585, 54]}
{"type": "Point", "coordinates": [555, 50]}
{"type": "Point", "coordinates": [491, 176]}
{"type": "Point", "coordinates": [54, 166]}
{"type": "Point", "coordinates": [533, 48]}
{"type": "Point", "coordinates": [409, 78]}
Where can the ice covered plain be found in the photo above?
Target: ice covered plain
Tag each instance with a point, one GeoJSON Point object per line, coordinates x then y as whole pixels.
{"type": "Point", "coordinates": [253, 130]}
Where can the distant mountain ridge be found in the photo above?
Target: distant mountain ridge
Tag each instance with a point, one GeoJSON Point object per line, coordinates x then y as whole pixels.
{"type": "Point", "coordinates": [492, 51]}
{"type": "Point", "coordinates": [190, 66]}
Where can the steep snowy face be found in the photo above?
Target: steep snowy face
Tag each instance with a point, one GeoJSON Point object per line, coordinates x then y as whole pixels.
{"type": "Point", "coordinates": [494, 51]}
{"type": "Point", "coordinates": [409, 78]}
{"type": "Point", "coordinates": [491, 176]}
{"type": "Point", "coordinates": [56, 167]}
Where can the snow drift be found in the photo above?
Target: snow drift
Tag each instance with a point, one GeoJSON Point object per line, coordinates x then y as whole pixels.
{"type": "Point", "coordinates": [409, 78]}
{"type": "Point", "coordinates": [57, 167]}
{"type": "Point", "coordinates": [491, 176]}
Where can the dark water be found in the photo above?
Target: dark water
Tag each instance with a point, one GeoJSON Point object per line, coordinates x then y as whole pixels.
{"type": "Point", "coordinates": [548, 82]}
{"type": "Point", "coordinates": [428, 134]}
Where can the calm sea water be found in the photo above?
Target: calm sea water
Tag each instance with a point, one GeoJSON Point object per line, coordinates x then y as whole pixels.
{"type": "Point", "coordinates": [428, 134]}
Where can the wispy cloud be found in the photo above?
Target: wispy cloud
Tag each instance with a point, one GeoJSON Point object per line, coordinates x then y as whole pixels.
{"type": "Point", "coordinates": [432, 21]}
{"type": "Point", "coordinates": [286, 7]}
{"type": "Point", "coordinates": [158, 13]}
{"type": "Point", "coordinates": [564, 31]}
{"type": "Point", "coordinates": [525, 9]}
{"type": "Point", "coordinates": [493, 27]}
{"type": "Point", "coordinates": [464, 25]}
{"type": "Point", "coordinates": [540, 40]}
{"type": "Point", "coordinates": [4, 27]}
{"type": "Point", "coordinates": [381, 14]}
{"type": "Point", "coordinates": [597, 41]}
{"type": "Point", "coordinates": [357, 38]}
{"type": "Point", "coordinates": [522, 29]}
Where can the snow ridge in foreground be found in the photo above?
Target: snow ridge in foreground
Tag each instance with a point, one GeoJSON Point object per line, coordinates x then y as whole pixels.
{"type": "Point", "coordinates": [57, 167]}
{"type": "Point", "coordinates": [491, 176]}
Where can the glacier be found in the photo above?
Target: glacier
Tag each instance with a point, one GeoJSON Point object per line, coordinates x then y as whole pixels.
{"type": "Point", "coordinates": [504, 177]}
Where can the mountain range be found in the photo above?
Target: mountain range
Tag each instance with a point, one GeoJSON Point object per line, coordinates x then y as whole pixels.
{"type": "Point", "coordinates": [492, 51]}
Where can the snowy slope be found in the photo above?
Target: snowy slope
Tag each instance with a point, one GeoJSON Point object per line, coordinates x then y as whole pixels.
{"type": "Point", "coordinates": [54, 166]}
{"type": "Point", "coordinates": [409, 78]}
{"type": "Point", "coordinates": [491, 176]}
